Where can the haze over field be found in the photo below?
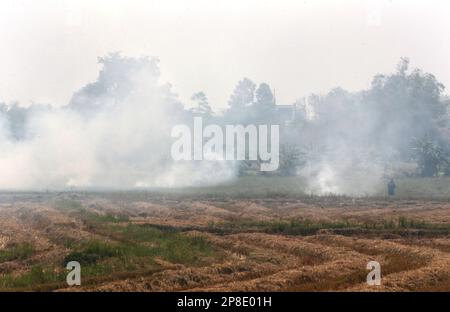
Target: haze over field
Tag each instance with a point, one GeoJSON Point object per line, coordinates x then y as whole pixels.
{"type": "Point", "coordinates": [360, 111]}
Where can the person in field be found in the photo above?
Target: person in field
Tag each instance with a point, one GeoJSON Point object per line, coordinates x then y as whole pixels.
{"type": "Point", "coordinates": [391, 187]}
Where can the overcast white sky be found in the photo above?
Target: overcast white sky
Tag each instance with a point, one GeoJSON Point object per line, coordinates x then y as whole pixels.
{"type": "Point", "coordinates": [49, 48]}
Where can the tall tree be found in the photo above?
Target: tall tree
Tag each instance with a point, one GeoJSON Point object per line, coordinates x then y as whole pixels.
{"type": "Point", "coordinates": [203, 108]}
{"type": "Point", "coordinates": [243, 94]}
{"type": "Point", "coordinates": [406, 105]}
{"type": "Point", "coordinates": [241, 102]}
{"type": "Point", "coordinates": [264, 96]}
{"type": "Point", "coordinates": [430, 157]}
{"type": "Point", "coordinates": [265, 103]}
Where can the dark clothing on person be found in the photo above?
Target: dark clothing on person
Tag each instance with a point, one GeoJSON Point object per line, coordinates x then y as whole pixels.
{"type": "Point", "coordinates": [391, 188]}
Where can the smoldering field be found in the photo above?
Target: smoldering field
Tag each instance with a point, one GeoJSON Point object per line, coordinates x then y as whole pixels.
{"type": "Point", "coordinates": [115, 133]}
{"type": "Point", "coordinates": [93, 181]}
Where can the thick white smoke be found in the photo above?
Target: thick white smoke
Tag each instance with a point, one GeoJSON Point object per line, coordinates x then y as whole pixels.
{"type": "Point", "coordinates": [114, 134]}
{"type": "Point", "coordinates": [357, 141]}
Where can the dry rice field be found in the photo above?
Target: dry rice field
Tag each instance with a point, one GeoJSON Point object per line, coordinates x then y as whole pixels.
{"type": "Point", "coordinates": [146, 242]}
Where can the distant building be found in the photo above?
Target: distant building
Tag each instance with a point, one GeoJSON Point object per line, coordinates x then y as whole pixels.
{"type": "Point", "coordinates": [286, 113]}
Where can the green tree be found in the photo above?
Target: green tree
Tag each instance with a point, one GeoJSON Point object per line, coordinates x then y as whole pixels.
{"type": "Point", "coordinates": [290, 160]}
{"type": "Point", "coordinates": [406, 105]}
{"type": "Point", "coordinates": [265, 103]}
{"type": "Point", "coordinates": [241, 101]}
{"type": "Point", "coordinates": [430, 157]}
{"type": "Point", "coordinates": [264, 96]}
{"type": "Point", "coordinates": [203, 108]}
{"type": "Point", "coordinates": [243, 94]}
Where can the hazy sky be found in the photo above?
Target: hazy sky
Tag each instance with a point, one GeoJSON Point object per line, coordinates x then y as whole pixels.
{"type": "Point", "coordinates": [49, 49]}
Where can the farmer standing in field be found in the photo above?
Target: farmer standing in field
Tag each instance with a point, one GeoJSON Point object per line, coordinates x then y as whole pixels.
{"type": "Point", "coordinates": [391, 187]}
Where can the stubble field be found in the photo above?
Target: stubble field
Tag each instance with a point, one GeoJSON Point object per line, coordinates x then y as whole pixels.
{"type": "Point", "coordinates": [141, 241]}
